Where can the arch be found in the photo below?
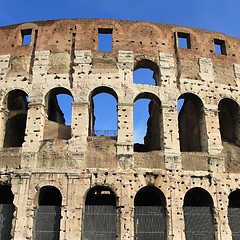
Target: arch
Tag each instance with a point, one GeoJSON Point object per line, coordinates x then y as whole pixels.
{"type": "Point", "coordinates": [198, 214]}
{"type": "Point", "coordinates": [103, 121]}
{"type": "Point", "coordinates": [145, 64]}
{"type": "Point", "coordinates": [59, 113]}
{"type": "Point", "coordinates": [191, 123]}
{"type": "Point", "coordinates": [99, 215]}
{"type": "Point", "coordinates": [150, 214]}
{"type": "Point", "coordinates": [148, 130]}
{"type": "Point", "coordinates": [49, 208]}
{"type": "Point", "coordinates": [15, 121]}
{"type": "Point", "coordinates": [228, 120]}
{"type": "Point", "coordinates": [234, 213]}
{"type": "Point", "coordinates": [6, 211]}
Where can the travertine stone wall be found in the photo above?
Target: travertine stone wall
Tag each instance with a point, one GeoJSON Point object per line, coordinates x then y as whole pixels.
{"type": "Point", "coordinates": [64, 54]}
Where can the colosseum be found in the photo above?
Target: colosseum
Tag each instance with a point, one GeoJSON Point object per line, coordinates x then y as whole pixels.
{"type": "Point", "coordinates": [60, 181]}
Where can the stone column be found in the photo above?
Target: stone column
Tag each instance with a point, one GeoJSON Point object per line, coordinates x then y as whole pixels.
{"type": "Point", "coordinates": [73, 209]}
{"type": "Point", "coordinates": [78, 142]}
{"type": "Point", "coordinates": [3, 121]}
{"type": "Point", "coordinates": [33, 133]}
{"type": "Point", "coordinates": [20, 187]}
{"type": "Point", "coordinates": [170, 136]}
{"type": "Point", "coordinates": [125, 135]}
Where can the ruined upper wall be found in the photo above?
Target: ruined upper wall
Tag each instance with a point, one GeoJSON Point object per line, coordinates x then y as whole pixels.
{"type": "Point", "coordinates": [142, 38]}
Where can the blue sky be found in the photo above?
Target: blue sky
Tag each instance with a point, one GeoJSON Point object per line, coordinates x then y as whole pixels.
{"type": "Point", "coordinates": [218, 15]}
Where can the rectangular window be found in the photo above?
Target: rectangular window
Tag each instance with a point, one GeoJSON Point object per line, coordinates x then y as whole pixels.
{"type": "Point", "coordinates": [26, 36]}
{"type": "Point", "coordinates": [104, 39]}
{"type": "Point", "coordinates": [220, 47]}
{"type": "Point", "coordinates": [183, 40]}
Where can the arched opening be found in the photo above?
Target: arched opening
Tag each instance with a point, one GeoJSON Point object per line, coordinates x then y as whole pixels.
{"type": "Point", "coordinates": [229, 120]}
{"type": "Point", "coordinates": [147, 123]}
{"type": "Point", "coordinates": [48, 214]}
{"type": "Point", "coordinates": [99, 215]}
{"type": "Point", "coordinates": [146, 72]}
{"type": "Point", "coordinates": [198, 215]}
{"type": "Point", "coordinates": [103, 112]}
{"type": "Point", "coordinates": [191, 123]}
{"type": "Point", "coordinates": [59, 114]}
{"type": "Point", "coordinates": [149, 214]}
{"type": "Point", "coordinates": [234, 213]}
{"type": "Point", "coordinates": [17, 105]}
{"type": "Point", "coordinates": [6, 212]}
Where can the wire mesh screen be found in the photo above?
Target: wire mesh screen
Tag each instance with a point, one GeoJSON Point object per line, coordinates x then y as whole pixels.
{"type": "Point", "coordinates": [234, 222]}
{"type": "Point", "coordinates": [149, 223]}
{"type": "Point", "coordinates": [199, 223]}
{"type": "Point", "coordinates": [6, 216]}
{"type": "Point", "coordinates": [47, 223]}
{"type": "Point", "coordinates": [99, 223]}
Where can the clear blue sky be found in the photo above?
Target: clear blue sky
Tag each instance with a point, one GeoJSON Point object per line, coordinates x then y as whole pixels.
{"type": "Point", "coordinates": [218, 15]}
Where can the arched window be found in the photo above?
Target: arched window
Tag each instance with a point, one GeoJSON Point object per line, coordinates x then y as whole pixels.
{"type": "Point", "coordinates": [6, 212]}
{"type": "Point", "coordinates": [191, 121]}
{"type": "Point", "coordinates": [17, 105]}
{"type": "Point", "coordinates": [234, 213]}
{"type": "Point", "coordinates": [48, 214]}
{"type": "Point", "coordinates": [149, 214]}
{"type": "Point", "coordinates": [148, 129]}
{"type": "Point", "coordinates": [198, 215]}
{"type": "Point", "coordinates": [228, 120]}
{"type": "Point", "coordinates": [59, 113]}
{"type": "Point", "coordinates": [146, 72]}
{"type": "Point", "coordinates": [99, 215]}
{"type": "Point", "coordinates": [103, 112]}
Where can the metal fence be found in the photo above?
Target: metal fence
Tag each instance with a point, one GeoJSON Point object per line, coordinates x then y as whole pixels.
{"type": "Point", "coordinates": [234, 222]}
{"type": "Point", "coordinates": [199, 223]}
{"type": "Point", "coordinates": [47, 223]}
{"type": "Point", "coordinates": [107, 133]}
{"type": "Point", "coordinates": [6, 216]}
{"type": "Point", "coordinates": [149, 223]}
{"type": "Point", "coordinates": [99, 223]}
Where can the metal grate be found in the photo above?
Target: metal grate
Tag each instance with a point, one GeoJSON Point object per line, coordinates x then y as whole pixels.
{"type": "Point", "coordinates": [99, 223]}
{"type": "Point", "coordinates": [6, 216]}
{"type": "Point", "coordinates": [199, 223]}
{"type": "Point", "coordinates": [234, 222]}
{"type": "Point", "coordinates": [149, 223]}
{"type": "Point", "coordinates": [47, 223]}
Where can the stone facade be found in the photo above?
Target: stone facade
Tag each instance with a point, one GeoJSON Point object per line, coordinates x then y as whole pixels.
{"type": "Point", "coordinates": [197, 149]}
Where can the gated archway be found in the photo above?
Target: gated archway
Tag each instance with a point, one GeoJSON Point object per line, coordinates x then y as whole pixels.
{"type": "Point", "coordinates": [48, 214]}
{"type": "Point", "coordinates": [99, 215]}
{"type": "Point", "coordinates": [149, 214]}
{"type": "Point", "coordinates": [6, 212]}
{"type": "Point", "coordinates": [198, 215]}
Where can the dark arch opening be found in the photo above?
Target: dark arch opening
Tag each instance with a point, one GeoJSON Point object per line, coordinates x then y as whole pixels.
{"type": "Point", "coordinates": [100, 195]}
{"type": "Point", "coordinates": [99, 215]}
{"type": "Point", "coordinates": [149, 214]}
{"type": "Point", "coordinates": [50, 196]}
{"type": "Point", "coordinates": [17, 104]}
{"type": "Point", "coordinates": [234, 213]}
{"type": "Point", "coordinates": [228, 120]}
{"type": "Point", "coordinates": [198, 214]}
{"type": "Point", "coordinates": [50, 201]}
{"type": "Point", "coordinates": [59, 111]}
{"type": "Point", "coordinates": [103, 112]}
{"type": "Point", "coordinates": [149, 196]}
{"type": "Point", "coordinates": [191, 123]}
{"type": "Point", "coordinates": [6, 211]}
{"type": "Point", "coordinates": [146, 72]}
{"type": "Point", "coordinates": [148, 130]}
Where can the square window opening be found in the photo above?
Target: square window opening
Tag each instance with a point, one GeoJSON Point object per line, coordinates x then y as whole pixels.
{"type": "Point", "coordinates": [220, 47]}
{"type": "Point", "coordinates": [105, 39]}
{"type": "Point", "coordinates": [26, 36]}
{"type": "Point", "coordinates": [183, 40]}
